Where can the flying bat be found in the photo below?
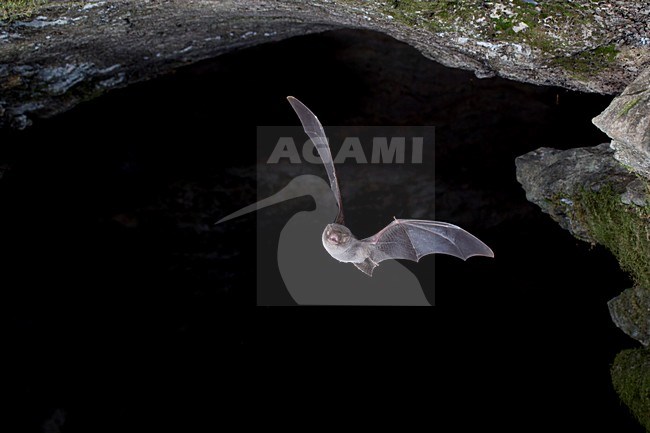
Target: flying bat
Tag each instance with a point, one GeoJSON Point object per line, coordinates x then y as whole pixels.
{"type": "Point", "coordinates": [401, 239]}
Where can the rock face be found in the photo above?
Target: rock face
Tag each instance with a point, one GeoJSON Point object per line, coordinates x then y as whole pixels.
{"type": "Point", "coordinates": [598, 200]}
{"type": "Point", "coordinates": [552, 177]}
{"type": "Point", "coordinates": [592, 195]}
{"type": "Point", "coordinates": [66, 52]}
{"type": "Point", "coordinates": [627, 122]}
{"type": "Point", "coordinates": [629, 311]}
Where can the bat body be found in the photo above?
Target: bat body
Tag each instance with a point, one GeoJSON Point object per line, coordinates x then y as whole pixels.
{"type": "Point", "coordinates": [401, 239]}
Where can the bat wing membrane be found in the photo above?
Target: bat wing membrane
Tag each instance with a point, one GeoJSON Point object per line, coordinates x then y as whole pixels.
{"type": "Point", "coordinates": [314, 130]}
{"type": "Point", "coordinates": [413, 239]}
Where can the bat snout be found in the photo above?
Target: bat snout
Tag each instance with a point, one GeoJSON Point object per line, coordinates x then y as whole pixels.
{"type": "Point", "coordinates": [332, 236]}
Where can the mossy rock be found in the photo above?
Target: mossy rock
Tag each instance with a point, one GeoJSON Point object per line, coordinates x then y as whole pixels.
{"type": "Point", "coordinates": [580, 189]}
{"type": "Point", "coordinates": [15, 9]}
{"type": "Point", "coordinates": [624, 229]}
{"type": "Point", "coordinates": [589, 62]}
{"type": "Point", "coordinates": [629, 311]}
{"type": "Point", "coordinates": [631, 379]}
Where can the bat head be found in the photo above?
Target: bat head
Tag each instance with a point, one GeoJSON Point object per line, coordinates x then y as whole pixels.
{"type": "Point", "coordinates": [336, 235]}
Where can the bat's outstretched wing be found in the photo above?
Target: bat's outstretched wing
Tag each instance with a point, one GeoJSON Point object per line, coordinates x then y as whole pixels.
{"type": "Point", "coordinates": [412, 239]}
{"type": "Point", "coordinates": [315, 131]}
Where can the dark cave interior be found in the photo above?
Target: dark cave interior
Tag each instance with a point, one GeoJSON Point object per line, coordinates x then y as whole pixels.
{"type": "Point", "coordinates": [115, 277]}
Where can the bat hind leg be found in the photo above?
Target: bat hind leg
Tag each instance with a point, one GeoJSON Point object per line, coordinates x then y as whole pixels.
{"type": "Point", "coordinates": [367, 266]}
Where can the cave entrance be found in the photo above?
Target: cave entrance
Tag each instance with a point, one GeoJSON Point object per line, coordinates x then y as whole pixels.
{"type": "Point", "coordinates": [113, 202]}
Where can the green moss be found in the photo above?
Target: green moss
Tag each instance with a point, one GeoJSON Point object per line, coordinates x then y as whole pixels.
{"type": "Point", "coordinates": [566, 15]}
{"type": "Point", "coordinates": [439, 15]}
{"type": "Point", "coordinates": [589, 62]}
{"type": "Point", "coordinates": [623, 229]}
{"type": "Point", "coordinates": [627, 107]}
{"type": "Point", "coordinates": [11, 10]}
{"type": "Point", "coordinates": [553, 29]}
{"type": "Point", "coordinates": [490, 22]}
{"type": "Point", "coordinates": [631, 379]}
{"type": "Point", "coordinates": [503, 25]}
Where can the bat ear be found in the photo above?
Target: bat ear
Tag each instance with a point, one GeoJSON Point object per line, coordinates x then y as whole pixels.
{"type": "Point", "coordinates": [367, 266]}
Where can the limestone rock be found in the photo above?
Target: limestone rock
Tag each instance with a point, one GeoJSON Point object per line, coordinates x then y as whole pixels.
{"type": "Point", "coordinates": [69, 52]}
{"type": "Point", "coordinates": [551, 177]}
{"type": "Point", "coordinates": [627, 122]}
{"type": "Point", "coordinates": [636, 193]}
{"type": "Point", "coordinates": [629, 311]}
